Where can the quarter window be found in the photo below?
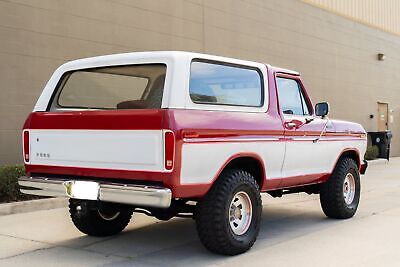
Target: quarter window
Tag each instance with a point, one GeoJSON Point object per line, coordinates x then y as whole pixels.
{"type": "Point", "coordinates": [218, 84]}
{"type": "Point", "coordinates": [291, 98]}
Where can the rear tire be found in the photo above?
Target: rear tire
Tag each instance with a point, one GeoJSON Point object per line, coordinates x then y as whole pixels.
{"type": "Point", "coordinates": [228, 218]}
{"type": "Point", "coordinates": [99, 219]}
{"type": "Point", "coordinates": [340, 195]}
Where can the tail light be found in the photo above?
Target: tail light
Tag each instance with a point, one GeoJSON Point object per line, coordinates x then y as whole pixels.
{"type": "Point", "coordinates": [169, 150]}
{"type": "Point", "coordinates": [26, 146]}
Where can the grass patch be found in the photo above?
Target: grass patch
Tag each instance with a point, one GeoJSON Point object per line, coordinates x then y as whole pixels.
{"type": "Point", "coordinates": [9, 188]}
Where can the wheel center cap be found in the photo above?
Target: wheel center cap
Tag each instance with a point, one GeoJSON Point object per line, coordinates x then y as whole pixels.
{"type": "Point", "coordinates": [237, 213]}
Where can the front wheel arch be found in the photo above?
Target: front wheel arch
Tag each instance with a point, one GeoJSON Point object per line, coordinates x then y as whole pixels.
{"type": "Point", "coordinates": [349, 153]}
{"type": "Point", "coordinates": [333, 192]}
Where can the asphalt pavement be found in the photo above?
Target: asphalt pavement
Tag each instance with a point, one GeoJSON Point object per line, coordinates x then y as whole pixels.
{"type": "Point", "coordinates": [294, 232]}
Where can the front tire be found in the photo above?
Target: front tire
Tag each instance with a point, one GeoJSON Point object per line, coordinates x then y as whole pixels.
{"type": "Point", "coordinates": [98, 218]}
{"type": "Point", "coordinates": [340, 195]}
{"type": "Point", "coordinates": [228, 218]}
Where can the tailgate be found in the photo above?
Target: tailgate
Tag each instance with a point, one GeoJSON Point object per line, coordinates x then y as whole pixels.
{"type": "Point", "coordinates": [109, 149]}
{"type": "Point", "coordinates": [114, 140]}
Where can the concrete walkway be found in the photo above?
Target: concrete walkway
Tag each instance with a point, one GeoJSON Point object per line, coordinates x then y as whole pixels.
{"type": "Point", "coordinates": [294, 232]}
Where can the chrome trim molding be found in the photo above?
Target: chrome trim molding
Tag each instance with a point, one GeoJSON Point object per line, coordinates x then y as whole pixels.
{"type": "Point", "coordinates": [132, 194]}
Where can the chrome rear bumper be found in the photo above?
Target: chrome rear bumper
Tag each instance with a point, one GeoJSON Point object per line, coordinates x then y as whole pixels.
{"type": "Point", "coordinates": [137, 195]}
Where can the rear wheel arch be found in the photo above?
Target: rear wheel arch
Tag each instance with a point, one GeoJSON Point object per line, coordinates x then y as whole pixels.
{"type": "Point", "coordinates": [251, 163]}
{"type": "Point", "coordinates": [221, 220]}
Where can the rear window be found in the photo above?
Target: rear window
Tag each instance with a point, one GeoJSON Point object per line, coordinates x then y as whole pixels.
{"type": "Point", "coordinates": [220, 84]}
{"type": "Point", "coordinates": [121, 87]}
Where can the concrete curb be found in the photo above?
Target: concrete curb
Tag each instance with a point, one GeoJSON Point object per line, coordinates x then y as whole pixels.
{"type": "Point", "coordinates": [32, 205]}
{"type": "Point", "coordinates": [378, 162]}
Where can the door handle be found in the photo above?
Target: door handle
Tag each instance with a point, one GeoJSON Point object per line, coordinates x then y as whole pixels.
{"type": "Point", "coordinates": [290, 125]}
{"type": "Point", "coordinates": [294, 124]}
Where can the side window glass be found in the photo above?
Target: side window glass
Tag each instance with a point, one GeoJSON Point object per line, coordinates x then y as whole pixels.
{"type": "Point", "coordinates": [217, 84]}
{"type": "Point", "coordinates": [306, 111]}
{"type": "Point", "coordinates": [291, 99]}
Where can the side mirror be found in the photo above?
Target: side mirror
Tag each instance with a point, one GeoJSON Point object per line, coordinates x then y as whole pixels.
{"type": "Point", "coordinates": [322, 109]}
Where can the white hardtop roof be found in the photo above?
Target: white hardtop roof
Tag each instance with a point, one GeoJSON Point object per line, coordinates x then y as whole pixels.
{"type": "Point", "coordinates": [282, 70]}
{"type": "Point", "coordinates": [133, 57]}
{"type": "Point", "coordinates": [178, 64]}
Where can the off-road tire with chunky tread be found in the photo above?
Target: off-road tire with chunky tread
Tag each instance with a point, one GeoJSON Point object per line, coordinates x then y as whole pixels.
{"type": "Point", "coordinates": [86, 217]}
{"type": "Point", "coordinates": [212, 214]}
{"type": "Point", "coordinates": [331, 194]}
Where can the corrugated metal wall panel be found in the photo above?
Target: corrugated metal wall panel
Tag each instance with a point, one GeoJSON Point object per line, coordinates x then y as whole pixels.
{"type": "Point", "coordinates": [382, 14]}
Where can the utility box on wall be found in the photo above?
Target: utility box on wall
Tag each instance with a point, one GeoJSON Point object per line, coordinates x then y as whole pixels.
{"type": "Point", "coordinates": [382, 140]}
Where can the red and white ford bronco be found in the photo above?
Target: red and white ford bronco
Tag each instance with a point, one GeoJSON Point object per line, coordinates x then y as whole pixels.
{"type": "Point", "coordinates": [186, 134]}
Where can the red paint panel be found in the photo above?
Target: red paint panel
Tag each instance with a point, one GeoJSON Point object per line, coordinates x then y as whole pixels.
{"type": "Point", "coordinates": [98, 120]}
{"type": "Point", "coordinates": [203, 123]}
{"type": "Point", "coordinates": [96, 173]}
{"type": "Point", "coordinates": [199, 190]}
{"type": "Point", "coordinates": [221, 133]}
{"type": "Point", "coordinates": [303, 179]}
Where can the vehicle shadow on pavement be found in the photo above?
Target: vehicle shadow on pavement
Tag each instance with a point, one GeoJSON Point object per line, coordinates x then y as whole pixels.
{"type": "Point", "coordinates": [175, 243]}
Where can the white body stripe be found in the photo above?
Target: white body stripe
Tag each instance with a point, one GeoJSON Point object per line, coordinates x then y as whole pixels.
{"type": "Point", "coordinates": [201, 162]}
{"type": "Point", "coordinates": [104, 149]}
{"type": "Point", "coordinates": [302, 157]}
{"type": "Point", "coordinates": [308, 157]}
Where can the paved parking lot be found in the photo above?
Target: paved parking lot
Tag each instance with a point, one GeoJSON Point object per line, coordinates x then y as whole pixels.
{"type": "Point", "coordinates": [294, 232]}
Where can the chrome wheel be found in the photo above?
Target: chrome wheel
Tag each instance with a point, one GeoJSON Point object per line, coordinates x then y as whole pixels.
{"type": "Point", "coordinates": [349, 189]}
{"type": "Point", "coordinates": [240, 213]}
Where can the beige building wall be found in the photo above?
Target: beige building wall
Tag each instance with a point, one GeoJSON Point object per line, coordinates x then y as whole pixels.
{"type": "Point", "coordinates": [337, 56]}
{"type": "Point", "coordinates": [382, 14]}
